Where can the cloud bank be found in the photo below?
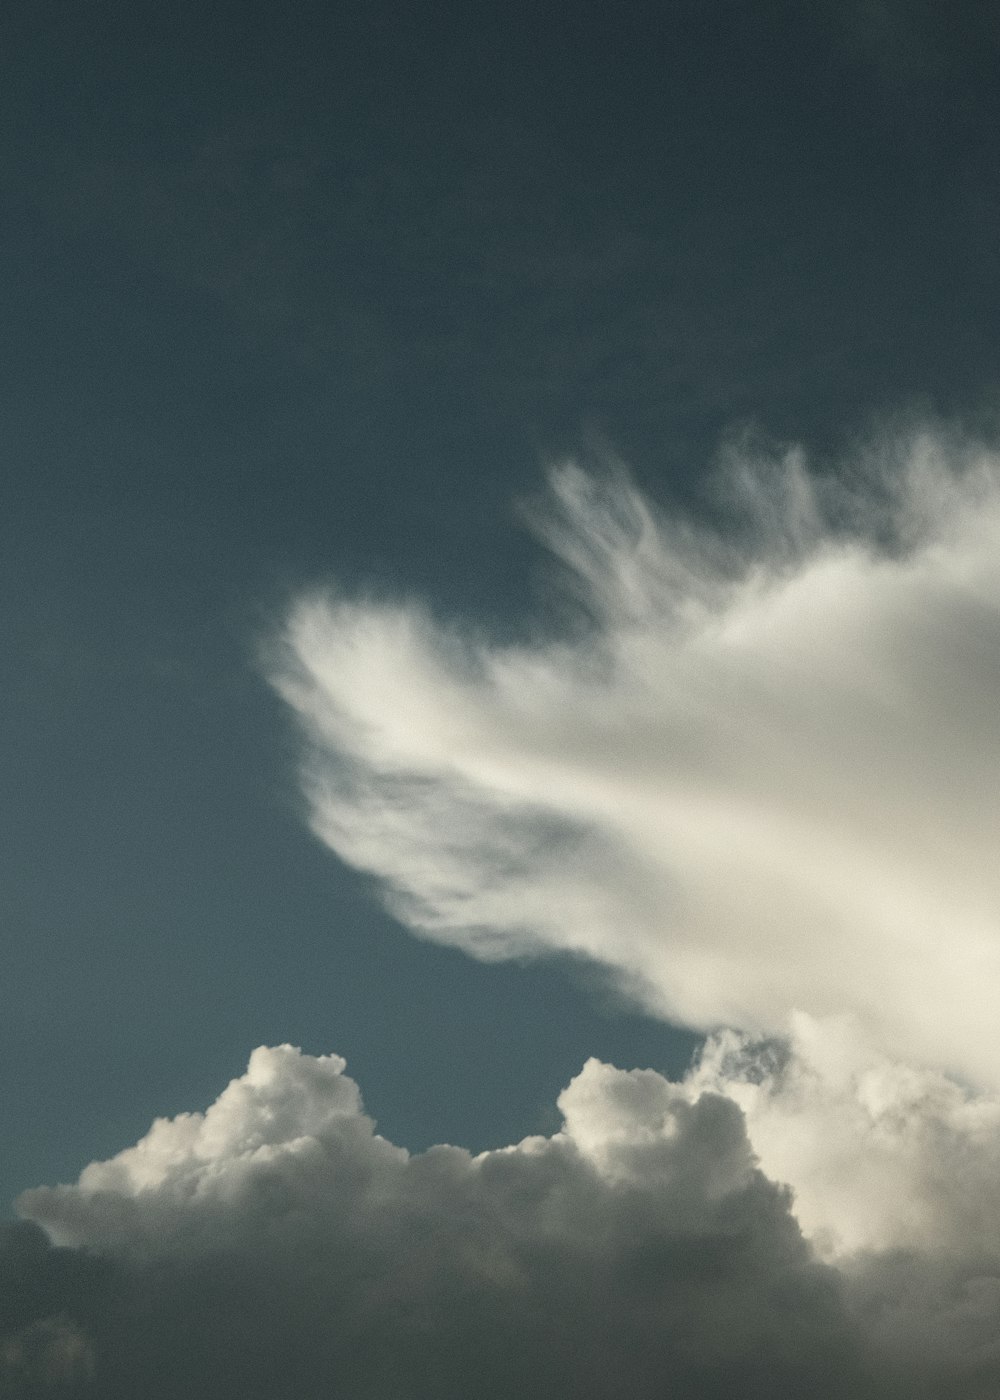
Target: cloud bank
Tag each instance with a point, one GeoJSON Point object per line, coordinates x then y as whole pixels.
{"type": "Point", "coordinates": [276, 1246]}
{"type": "Point", "coordinates": [755, 774]}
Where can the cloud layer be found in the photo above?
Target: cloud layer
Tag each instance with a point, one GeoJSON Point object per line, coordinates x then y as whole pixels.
{"type": "Point", "coordinates": [276, 1246]}
{"type": "Point", "coordinates": [749, 777]}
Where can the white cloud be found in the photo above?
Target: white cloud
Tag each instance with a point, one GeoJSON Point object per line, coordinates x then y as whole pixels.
{"type": "Point", "coordinates": [638, 1252]}
{"type": "Point", "coordinates": [881, 1155]}
{"type": "Point", "coordinates": [750, 779]}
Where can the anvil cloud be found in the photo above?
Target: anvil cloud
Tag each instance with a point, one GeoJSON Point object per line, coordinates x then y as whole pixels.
{"type": "Point", "coordinates": [749, 778]}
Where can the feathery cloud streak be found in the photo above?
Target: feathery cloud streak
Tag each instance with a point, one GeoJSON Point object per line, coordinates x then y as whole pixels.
{"type": "Point", "coordinates": [756, 775]}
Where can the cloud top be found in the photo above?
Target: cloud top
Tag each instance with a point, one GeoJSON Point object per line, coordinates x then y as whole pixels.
{"type": "Point", "coordinates": [755, 775]}
{"type": "Point", "coordinates": [294, 1248]}
{"type": "Point", "coordinates": [645, 1248]}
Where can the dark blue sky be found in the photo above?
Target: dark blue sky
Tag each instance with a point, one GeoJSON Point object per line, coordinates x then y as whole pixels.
{"type": "Point", "coordinates": [302, 293]}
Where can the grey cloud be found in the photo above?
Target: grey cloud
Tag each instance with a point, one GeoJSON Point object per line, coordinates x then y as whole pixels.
{"type": "Point", "coordinates": [50, 1356]}
{"type": "Point", "coordinates": [276, 1248]}
{"type": "Point", "coordinates": [50, 1300]}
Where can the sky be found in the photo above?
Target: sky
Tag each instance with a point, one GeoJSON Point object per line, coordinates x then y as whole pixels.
{"type": "Point", "coordinates": [500, 639]}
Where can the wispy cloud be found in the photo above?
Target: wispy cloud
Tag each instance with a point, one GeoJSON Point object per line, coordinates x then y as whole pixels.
{"type": "Point", "coordinates": [754, 775]}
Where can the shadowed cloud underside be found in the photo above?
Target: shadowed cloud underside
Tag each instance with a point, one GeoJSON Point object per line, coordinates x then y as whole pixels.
{"type": "Point", "coordinates": [640, 1250]}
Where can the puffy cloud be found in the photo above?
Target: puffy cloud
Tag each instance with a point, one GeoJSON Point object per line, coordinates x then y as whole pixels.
{"type": "Point", "coordinates": [882, 1155]}
{"type": "Point", "coordinates": [896, 1177]}
{"type": "Point", "coordinates": [755, 774]}
{"type": "Point", "coordinates": [276, 1246]}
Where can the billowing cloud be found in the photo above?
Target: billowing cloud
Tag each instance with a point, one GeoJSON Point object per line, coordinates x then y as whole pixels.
{"type": "Point", "coordinates": [275, 1246]}
{"type": "Point", "coordinates": [756, 774]}
{"type": "Point", "coordinates": [298, 1254]}
{"type": "Point", "coordinates": [882, 1155]}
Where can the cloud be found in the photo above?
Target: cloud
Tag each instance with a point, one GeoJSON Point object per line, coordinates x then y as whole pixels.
{"type": "Point", "coordinates": [754, 774]}
{"type": "Point", "coordinates": [50, 1355]}
{"type": "Point", "coordinates": [753, 777]}
{"type": "Point", "coordinates": [882, 1155]}
{"type": "Point", "coordinates": [276, 1246]}
{"type": "Point", "coordinates": [296, 1251]}
{"type": "Point", "coordinates": [48, 1300]}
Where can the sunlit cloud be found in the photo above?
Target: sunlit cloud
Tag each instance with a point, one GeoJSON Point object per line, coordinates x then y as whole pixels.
{"type": "Point", "coordinates": [749, 771]}
{"type": "Point", "coordinates": [753, 773]}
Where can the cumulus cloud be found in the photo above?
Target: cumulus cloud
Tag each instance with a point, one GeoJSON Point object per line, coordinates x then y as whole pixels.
{"type": "Point", "coordinates": [754, 774]}
{"type": "Point", "coordinates": [636, 1252]}
{"type": "Point", "coordinates": [882, 1155]}
{"type": "Point", "coordinates": [276, 1246]}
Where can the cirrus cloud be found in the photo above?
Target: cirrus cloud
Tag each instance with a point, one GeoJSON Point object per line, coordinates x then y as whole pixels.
{"type": "Point", "coordinates": [755, 775]}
